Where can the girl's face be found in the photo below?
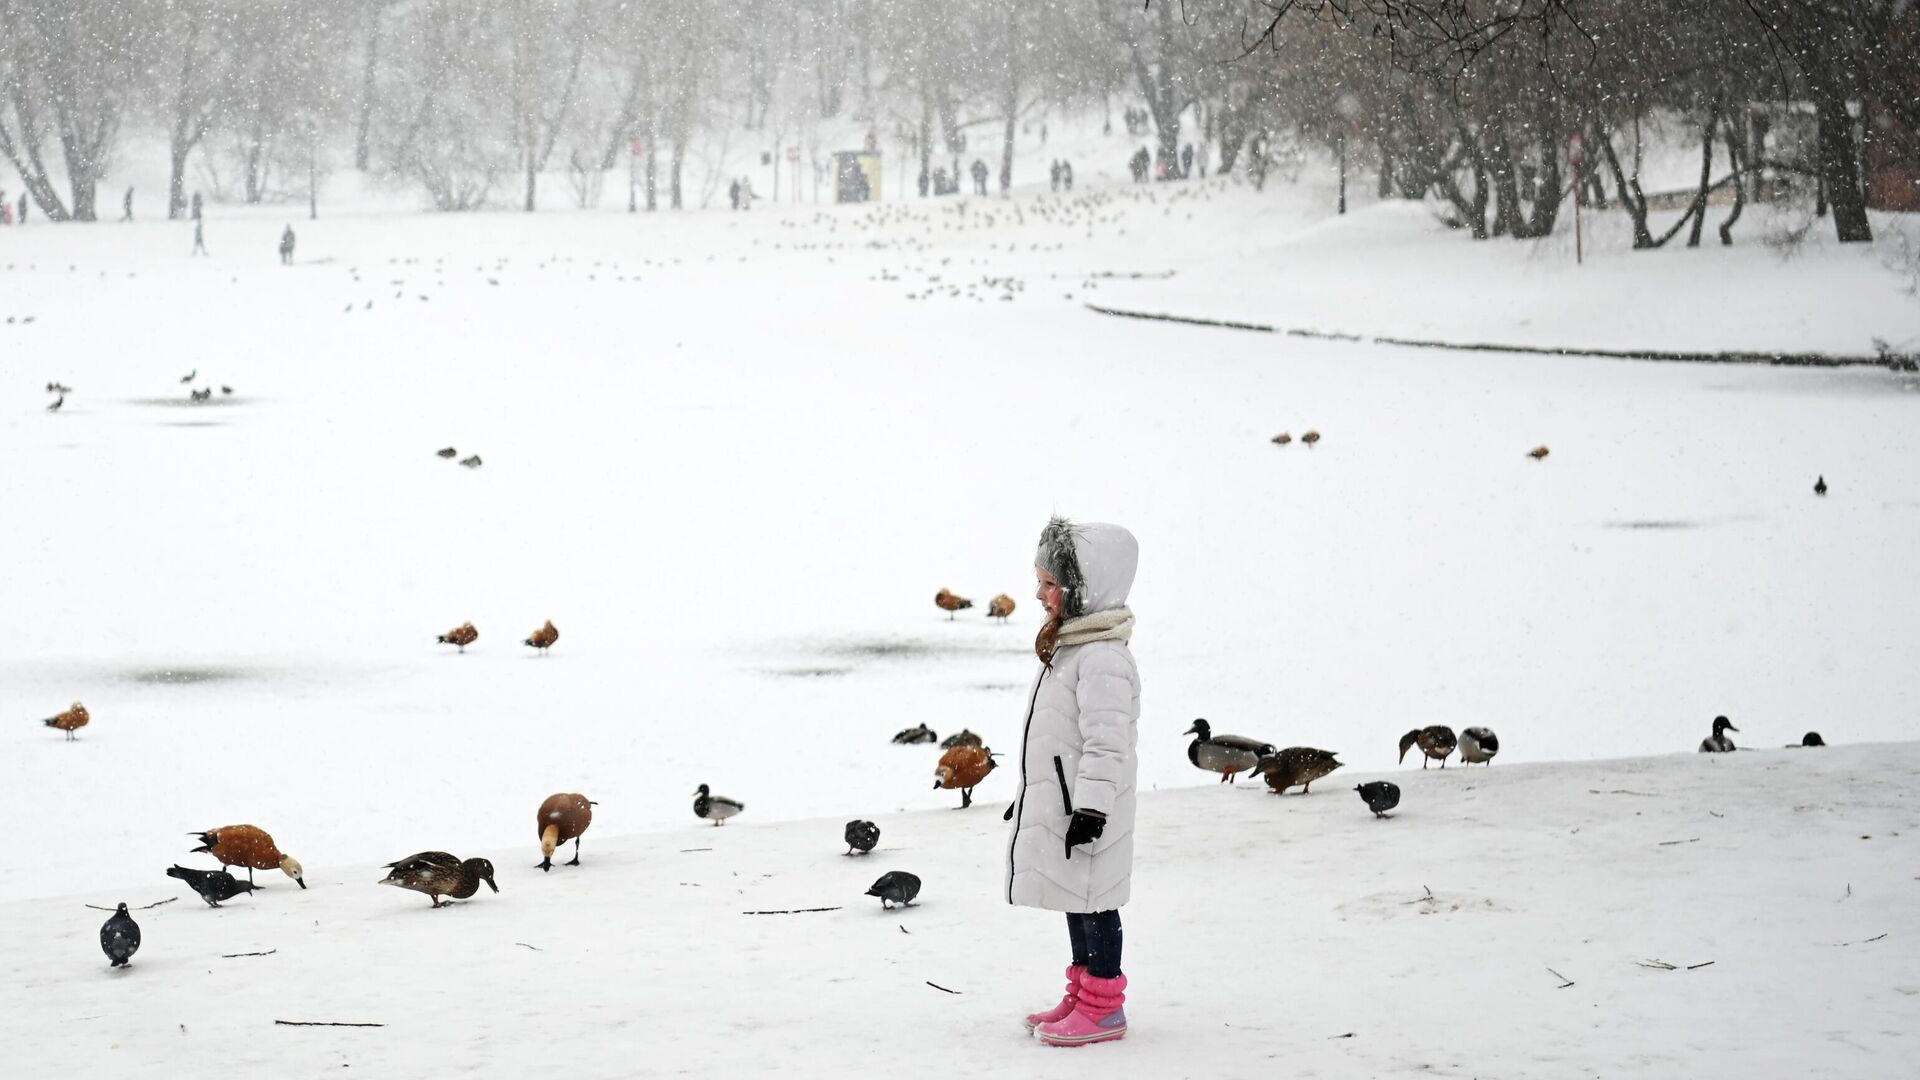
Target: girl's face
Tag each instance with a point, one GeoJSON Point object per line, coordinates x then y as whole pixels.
{"type": "Point", "coordinates": [1050, 594]}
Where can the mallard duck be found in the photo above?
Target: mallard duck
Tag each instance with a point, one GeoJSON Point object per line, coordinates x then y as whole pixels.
{"type": "Point", "coordinates": [895, 887]}
{"type": "Point", "coordinates": [1718, 743]}
{"type": "Point", "coordinates": [1538, 452]}
{"type": "Point", "coordinates": [1227, 755]}
{"type": "Point", "coordinates": [438, 874]}
{"type": "Point", "coordinates": [462, 635]}
{"type": "Point", "coordinates": [1478, 745]}
{"type": "Point", "coordinates": [915, 735]}
{"type": "Point", "coordinates": [961, 738]}
{"type": "Point", "coordinates": [1000, 607]}
{"type": "Point", "coordinates": [950, 602]}
{"type": "Point", "coordinates": [1435, 742]}
{"type": "Point", "coordinates": [1380, 796]}
{"type": "Point", "coordinates": [861, 836]}
{"type": "Point", "coordinates": [212, 885]}
{"type": "Point", "coordinates": [714, 808]}
{"type": "Point", "coordinates": [561, 818]}
{"type": "Point", "coordinates": [1300, 765]}
{"type": "Point", "coordinates": [963, 767]}
{"type": "Point", "coordinates": [1282, 439]}
{"type": "Point", "coordinates": [250, 846]}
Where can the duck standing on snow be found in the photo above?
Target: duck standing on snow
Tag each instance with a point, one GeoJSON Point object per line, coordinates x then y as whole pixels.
{"type": "Point", "coordinates": [1380, 796]}
{"type": "Point", "coordinates": [438, 874]}
{"type": "Point", "coordinates": [1227, 755]}
{"type": "Point", "coordinates": [561, 818]}
{"type": "Point", "coordinates": [1435, 742]}
{"type": "Point", "coordinates": [1478, 745]}
{"type": "Point", "coordinates": [1071, 847]}
{"type": "Point", "coordinates": [1718, 743]}
{"type": "Point", "coordinates": [462, 635]}
{"type": "Point", "coordinates": [861, 836]}
{"type": "Point", "coordinates": [1000, 607]}
{"type": "Point", "coordinates": [70, 721]}
{"type": "Point", "coordinates": [963, 767]}
{"type": "Point", "coordinates": [120, 937]}
{"type": "Point", "coordinates": [950, 602]}
{"type": "Point", "coordinates": [1300, 765]}
{"type": "Point", "coordinates": [249, 846]}
{"type": "Point", "coordinates": [543, 638]}
{"type": "Point", "coordinates": [714, 808]}
{"type": "Point", "coordinates": [963, 737]}
{"type": "Point", "coordinates": [914, 735]}
{"type": "Point", "coordinates": [1811, 738]}
{"type": "Point", "coordinates": [212, 885]}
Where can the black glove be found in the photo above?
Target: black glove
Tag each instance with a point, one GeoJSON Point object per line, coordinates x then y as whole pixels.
{"type": "Point", "coordinates": [1086, 827]}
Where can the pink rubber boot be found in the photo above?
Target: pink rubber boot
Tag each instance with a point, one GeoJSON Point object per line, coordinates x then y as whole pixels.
{"type": "Point", "coordinates": [1097, 1017]}
{"type": "Point", "coordinates": [1060, 1011]}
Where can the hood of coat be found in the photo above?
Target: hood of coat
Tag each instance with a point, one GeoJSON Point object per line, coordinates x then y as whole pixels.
{"type": "Point", "coordinates": [1094, 562]}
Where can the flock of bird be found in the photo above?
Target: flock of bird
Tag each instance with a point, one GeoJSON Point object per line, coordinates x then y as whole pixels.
{"type": "Point", "coordinates": [464, 635]}
{"type": "Point", "coordinates": [448, 452]}
{"type": "Point", "coordinates": [950, 602]}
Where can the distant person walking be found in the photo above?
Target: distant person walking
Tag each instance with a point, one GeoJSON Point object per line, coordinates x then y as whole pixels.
{"type": "Point", "coordinates": [733, 193]}
{"type": "Point", "coordinates": [979, 171]}
{"type": "Point", "coordinates": [1071, 848]}
{"type": "Point", "coordinates": [200, 238]}
{"type": "Point", "coordinates": [6, 209]}
{"type": "Point", "coordinates": [1186, 161]}
{"type": "Point", "coordinates": [196, 206]}
{"type": "Point", "coordinates": [1053, 176]}
{"type": "Point", "coordinates": [126, 206]}
{"type": "Point", "coordinates": [286, 246]}
{"type": "Point", "coordinates": [1066, 174]}
{"type": "Point", "coordinates": [23, 208]}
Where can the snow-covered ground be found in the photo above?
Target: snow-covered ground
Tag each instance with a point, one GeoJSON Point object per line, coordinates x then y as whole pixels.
{"type": "Point", "coordinates": [1267, 935]}
{"type": "Point", "coordinates": [733, 456]}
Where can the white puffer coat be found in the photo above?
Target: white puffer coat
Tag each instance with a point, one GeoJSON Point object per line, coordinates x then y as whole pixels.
{"type": "Point", "coordinates": [1078, 748]}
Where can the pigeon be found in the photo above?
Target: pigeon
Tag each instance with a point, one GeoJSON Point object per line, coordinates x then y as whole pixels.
{"type": "Point", "coordinates": [57, 402]}
{"type": "Point", "coordinates": [120, 937]}
{"type": "Point", "coordinates": [1381, 796]}
{"type": "Point", "coordinates": [1820, 485]}
{"type": "Point", "coordinates": [912, 735]}
{"type": "Point", "coordinates": [895, 887]}
{"type": "Point", "coordinates": [190, 376]}
{"type": "Point", "coordinates": [471, 462]}
{"type": "Point", "coordinates": [446, 452]}
{"type": "Point", "coordinates": [225, 389]}
{"type": "Point", "coordinates": [212, 885]}
{"type": "Point", "coordinates": [861, 836]}
{"type": "Point", "coordinates": [715, 808]}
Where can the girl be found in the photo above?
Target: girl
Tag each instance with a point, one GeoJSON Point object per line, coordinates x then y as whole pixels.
{"type": "Point", "coordinates": [1071, 849]}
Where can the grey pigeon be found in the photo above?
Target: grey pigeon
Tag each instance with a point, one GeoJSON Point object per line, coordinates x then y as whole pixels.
{"type": "Point", "coordinates": [1381, 796]}
{"type": "Point", "coordinates": [861, 836]}
{"type": "Point", "coordinates": [120, 937]}
{"type": "Point", "coordinates": [212, 885]}
{"type": "Point", "coordinates": [895, 887]}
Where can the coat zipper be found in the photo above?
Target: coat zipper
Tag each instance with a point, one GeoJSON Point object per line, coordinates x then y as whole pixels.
{"type": "Point", "coordinates": [1020, 801]}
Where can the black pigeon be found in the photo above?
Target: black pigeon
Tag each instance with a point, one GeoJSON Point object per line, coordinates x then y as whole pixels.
{"type": "Point", "coordinates": [895, 887]}
{"type": "Point", "coordinates": [120, 937]}
{"type": "Point", "coordinates": [212, 885]}
{"type": "Point", "coordinates": [921, 734]}
{"type": "Point", "coordinates": [861, 836]}
{"type": "Point", "coordinates": [1381, 796]}
{"type": "Point", "coordinates": [446, 451]}
{"type": "Point", "coordinates": [1820, 485]}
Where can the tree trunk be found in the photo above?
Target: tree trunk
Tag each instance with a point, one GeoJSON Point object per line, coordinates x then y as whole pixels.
{"type": "Point", "coordinates": [1706, 173]}
{"type": "Point", "coordinates": [362, 130]}
{"type": "Point", "coordinates": [1010, 98]}
{"type": "Point", "coordinates": [187, 126]}
{"type": "Point", "coordinates": [1839, 168]}
{"type": "Point", "coordinates": [1736, 157]}
{"type": "Point", "coordinates": [1631, 196]}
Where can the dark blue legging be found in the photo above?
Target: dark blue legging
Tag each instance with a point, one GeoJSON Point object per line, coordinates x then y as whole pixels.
{"type": "Point", "coordinates": [1096, 942]}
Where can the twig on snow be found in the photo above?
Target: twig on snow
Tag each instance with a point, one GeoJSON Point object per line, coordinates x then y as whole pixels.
{"type": "Point", "coordinates": [1564, 981]}
{"type": "Point", "coordinates": [1849, 895]}
{"type": "Point", "coordinates": [1623, 791]}
{"type": "Point", "coordinates": [1688, 840]}
{"type": "Point", "coordinates": [1661, 964]}
{"type": "Point", "coordinates": [1697, 967]}
{"type": "Point", "coordinates": [1868, 941]}
{"type": "Point", "coordinates": [524, 945]}
{"type": "Point", "coordinates": [684, 850]}
{"type": "Point", "coordinates": [790, 911]}
{"type": "Point", "coordinates": [905, 931]}
{"type": "Point", "coordinates": [236, 955]}
{"type": "Point", "coordinates": [1427, 899]}
{"type": "Point", "coordinates": [1348, 1035]}
{"type": "Point", "coordinates": [1716, 813]}
{"type": "Point", "coordinates": [143, 907]}
{"type": "Point", "coordinates": [937, 986]}
{"type": "Point", "coordinates": [322, 1023]}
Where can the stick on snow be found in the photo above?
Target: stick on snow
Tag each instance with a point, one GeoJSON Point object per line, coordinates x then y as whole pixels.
{"type": "Point", "coordinates": [143, 907]}
{"type": "Point", "coordinates": [1564, 981]}
{"type": "Point", "coordinates": [322, 1023]}
{"type": "Point", "coordinates": [938, 987]}
{"type": "Point", "coordinates": [237, 955]}
{"type": "Point", "coordinates": [790, 911]}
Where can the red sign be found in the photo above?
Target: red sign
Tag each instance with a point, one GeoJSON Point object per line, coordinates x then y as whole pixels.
{"type": "Point", "coordinates": [793, 153]}
{"type": "Point", "coordinates": [1576, 151]}
{"type": "Point", "coordinates": [639, 145]}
